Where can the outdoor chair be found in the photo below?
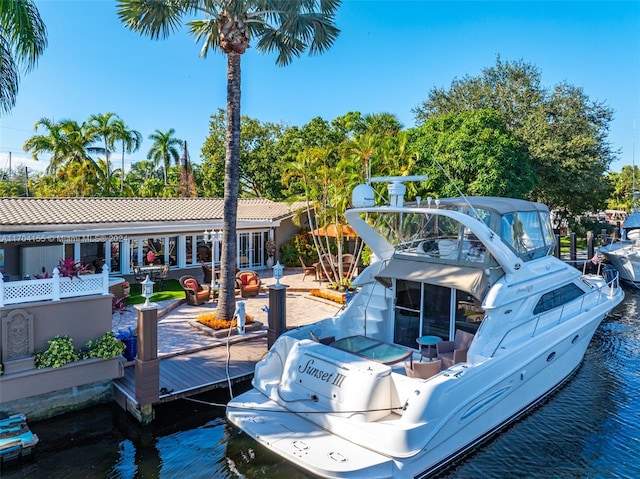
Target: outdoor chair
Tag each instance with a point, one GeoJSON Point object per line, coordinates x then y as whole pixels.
{"type": "Point", "coordinates": [454, 352]}
{"type": "Point", "coordinates": [206, 269]}
{"type": "Point", "coordinates": [138, 274]}
{"type": "Point", "coordinates": [348, 265]}
{"type": "Point", "coordinates": [324, 267]}
{"type": "Point", "coordinates": [423, 370]}
{"type": "Point", "coordinates": [161, 276]}
{"type": "Point", "coordinates": [195, 293]}
{"type": "Point", "coordinates": [308, 269]}
{"type": "Point", "coordinates": [249, 283]}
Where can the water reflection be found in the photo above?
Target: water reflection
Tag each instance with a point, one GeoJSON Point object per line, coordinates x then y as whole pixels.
{"type": "Point", "coordinates": [589, 428]}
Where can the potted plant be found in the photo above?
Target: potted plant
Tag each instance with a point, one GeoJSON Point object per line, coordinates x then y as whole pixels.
{"type": "Point", "coordinates": [71, 268]}
{"type": "Point", "coordinates": [270, 247]}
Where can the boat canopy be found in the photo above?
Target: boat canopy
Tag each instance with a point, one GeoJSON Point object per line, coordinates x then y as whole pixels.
{"type": "Point", "coordinates": [524, 227]}
{"type": "Point", "coordinates": [471, 280]}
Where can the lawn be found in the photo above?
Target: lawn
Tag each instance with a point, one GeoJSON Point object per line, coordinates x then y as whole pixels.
{"type": "Point", "coordinates": [171, 290]}
{"type": "Point", "coordinates": [565, 244]}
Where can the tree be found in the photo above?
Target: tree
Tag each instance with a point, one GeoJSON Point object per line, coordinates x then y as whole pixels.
{"type": "Point", "coordinates": [131, 140]}
{"type": "Point", "coordinates": [480, 156]}
{"type": "Point", "coordinates": [164, 149]}
{"type": "Point", "coordinates": [288, 28]}
{"type": "Point", "coordinates": [261, 160]}
{"type": "Point", "coordinates": [564, 132]}
{"type": "Point", "coordinates": [104, 127]}
{"type": "Point", "coordinates": [65, 141]}
{"type": "Point", "coordinates": [23, 38]}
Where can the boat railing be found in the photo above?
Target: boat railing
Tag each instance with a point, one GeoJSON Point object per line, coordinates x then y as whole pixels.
{"type": "Point", "coordinates": [556, 316]}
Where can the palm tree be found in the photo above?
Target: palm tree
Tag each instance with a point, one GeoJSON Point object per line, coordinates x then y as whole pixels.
{"type": "Point", "coordinates": [288, 28]}
{"type": "Point", "coordinates": [164, 149]}
{"type": "Point", "coordinates": [64, 140]}
{"type": "Point", "coordinates": [131, 140]}
{"type": "Point", "coordinates": [103, 127]}
{"type": "Point", "coordinates": [23, 38]}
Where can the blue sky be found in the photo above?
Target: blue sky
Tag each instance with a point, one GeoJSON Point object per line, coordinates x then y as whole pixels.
{"type": "Point", "coordinates": [389, 55]}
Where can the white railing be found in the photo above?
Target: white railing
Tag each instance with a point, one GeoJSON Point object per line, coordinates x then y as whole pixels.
{"type": "Point", "coordinates": [545, 320]}
{"type": "Point", "coordinates": [54, 288]}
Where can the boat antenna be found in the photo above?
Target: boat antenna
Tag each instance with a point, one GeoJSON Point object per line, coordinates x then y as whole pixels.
{"type": "Point", "coordinates": [477, 215]}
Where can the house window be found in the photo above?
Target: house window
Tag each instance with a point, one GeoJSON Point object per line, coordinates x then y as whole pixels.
{"type": "Point", "coordinates": [115, 257]}
{"type": "Point", "coordinates": [251, 245]}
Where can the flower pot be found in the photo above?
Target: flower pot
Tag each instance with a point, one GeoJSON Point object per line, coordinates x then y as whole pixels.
{"type": "Point", "coordinates": [131, 348]}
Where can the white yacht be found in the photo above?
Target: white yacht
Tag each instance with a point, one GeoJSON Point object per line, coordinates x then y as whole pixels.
{"type": "Point", "coordinates": [463, 322]}
{"type": "Point", "coordinates": [624, 254]}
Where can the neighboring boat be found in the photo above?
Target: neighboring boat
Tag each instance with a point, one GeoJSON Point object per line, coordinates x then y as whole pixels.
{"type": "Point", "coordinates": [506, 321]}
{"type": "Point", "coordinates": [16, 439]}
{"type": "Point", "coordinates": [624, 254]}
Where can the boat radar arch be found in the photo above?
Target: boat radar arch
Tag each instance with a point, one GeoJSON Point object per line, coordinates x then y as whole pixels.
{"type": "Point", "coordinates": [396, 187]}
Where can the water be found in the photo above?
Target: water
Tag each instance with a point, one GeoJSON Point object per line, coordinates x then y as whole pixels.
{"type": "Point", "coordinates": [588, 429]}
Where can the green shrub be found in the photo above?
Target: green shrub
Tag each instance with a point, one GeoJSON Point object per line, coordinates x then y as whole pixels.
{"type": "Point", "coordinates": [59, 353]}
{"type": "Point", "coordinates": [107, 347]}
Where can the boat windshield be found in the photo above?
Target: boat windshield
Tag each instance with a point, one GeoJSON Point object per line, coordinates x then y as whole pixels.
{"type": "Point", "coordinates": [528, 233]}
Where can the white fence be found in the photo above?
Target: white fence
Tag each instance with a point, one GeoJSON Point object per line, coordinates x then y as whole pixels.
{"type": "Point", "coordinates": [54, 288]}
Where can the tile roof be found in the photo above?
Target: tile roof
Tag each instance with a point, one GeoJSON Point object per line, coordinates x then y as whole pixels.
{"type": "Point", "coordinates": [27, 213]}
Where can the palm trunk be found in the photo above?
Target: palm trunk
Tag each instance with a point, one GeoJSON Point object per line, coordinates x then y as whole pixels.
{"type": "Point", "coordinates": [227, 300]}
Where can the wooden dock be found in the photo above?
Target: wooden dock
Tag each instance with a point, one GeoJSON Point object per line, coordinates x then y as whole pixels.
{"type": "Point", "coordinates": [194, 372]}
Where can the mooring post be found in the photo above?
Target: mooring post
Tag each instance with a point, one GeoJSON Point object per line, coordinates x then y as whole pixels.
{"type": "Point", "coordinates": [147, 363]}
{"type": "Point", "coordinates": [277, 316]}
{"type": "Point", "coordinates": [572, 251]}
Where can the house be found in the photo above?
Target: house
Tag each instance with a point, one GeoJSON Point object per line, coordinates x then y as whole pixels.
{"type": "Point", "coordinates": [122, 232]}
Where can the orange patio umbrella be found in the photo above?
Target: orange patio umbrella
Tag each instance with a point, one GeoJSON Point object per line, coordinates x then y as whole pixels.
{"type": "Point", "coordinates": [333, 230]}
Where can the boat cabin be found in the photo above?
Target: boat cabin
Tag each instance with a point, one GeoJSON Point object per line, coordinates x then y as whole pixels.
{"type": "Point", "coordinates": [440, 262]}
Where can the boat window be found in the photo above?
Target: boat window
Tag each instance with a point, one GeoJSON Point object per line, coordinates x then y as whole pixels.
{"type": "Point", "coordinates": [436, 312]}
{"type": "Point", "coordinates": [523, 231]}
{"type": "Point", "coordinates": [550, 237]}
{"type": "Point", "coordinates": [407, 313]}
{"type": "Point", "coordinates": [469, 312]}
{"type": "Point", "coordinates": [421, 309]}
{"type": "Point", "coordinates": [557, 297]}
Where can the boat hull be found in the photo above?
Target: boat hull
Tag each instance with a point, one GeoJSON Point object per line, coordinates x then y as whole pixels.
{"type": "Point", "coordinates": [625, 258]}
{"type": "Point", "coordinates": [512, 384]}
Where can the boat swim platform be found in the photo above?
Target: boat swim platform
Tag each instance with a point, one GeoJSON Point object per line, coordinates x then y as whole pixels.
{"type": "Point", "coordinates": [193, 372]}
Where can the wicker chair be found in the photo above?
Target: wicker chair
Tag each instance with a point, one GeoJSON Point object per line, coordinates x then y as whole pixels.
{"type": "Point", "coordinates": [195, 293]}
{"type": "Point", "coordinates": [423, 370]}
{"type": "Point", "coordinates": [248, 282]}
{"type": "Point", "coordinates": [454, 352]}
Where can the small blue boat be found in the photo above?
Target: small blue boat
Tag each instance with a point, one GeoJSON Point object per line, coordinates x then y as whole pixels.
{"type": "Point", "coordinates": [16, 439]}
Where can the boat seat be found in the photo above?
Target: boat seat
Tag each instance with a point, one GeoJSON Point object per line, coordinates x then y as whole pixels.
{"type": "Point", "coordinates": [454, 352]}
{"type": "Point", "coordinates": [423, 370]}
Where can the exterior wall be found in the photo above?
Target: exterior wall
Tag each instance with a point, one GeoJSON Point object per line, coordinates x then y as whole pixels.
{"type": "Point", "coordinates": [42, 393]}
{"type": "Point", "coordinates": [49, 392]}
{"type": "Point", "coordinates": [82, 318]}
{"type": "Point", "coordinates": [286, 230]}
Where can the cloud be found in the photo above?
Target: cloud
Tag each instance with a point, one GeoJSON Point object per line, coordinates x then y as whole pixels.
{"type": "Point", "coordinates": [17, 162]}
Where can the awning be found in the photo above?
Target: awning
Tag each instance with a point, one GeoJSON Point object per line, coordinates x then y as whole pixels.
{"type": "Point", "coordinates": [332, 230]}
{"type": "Point", "coordinates": [471, 280]}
